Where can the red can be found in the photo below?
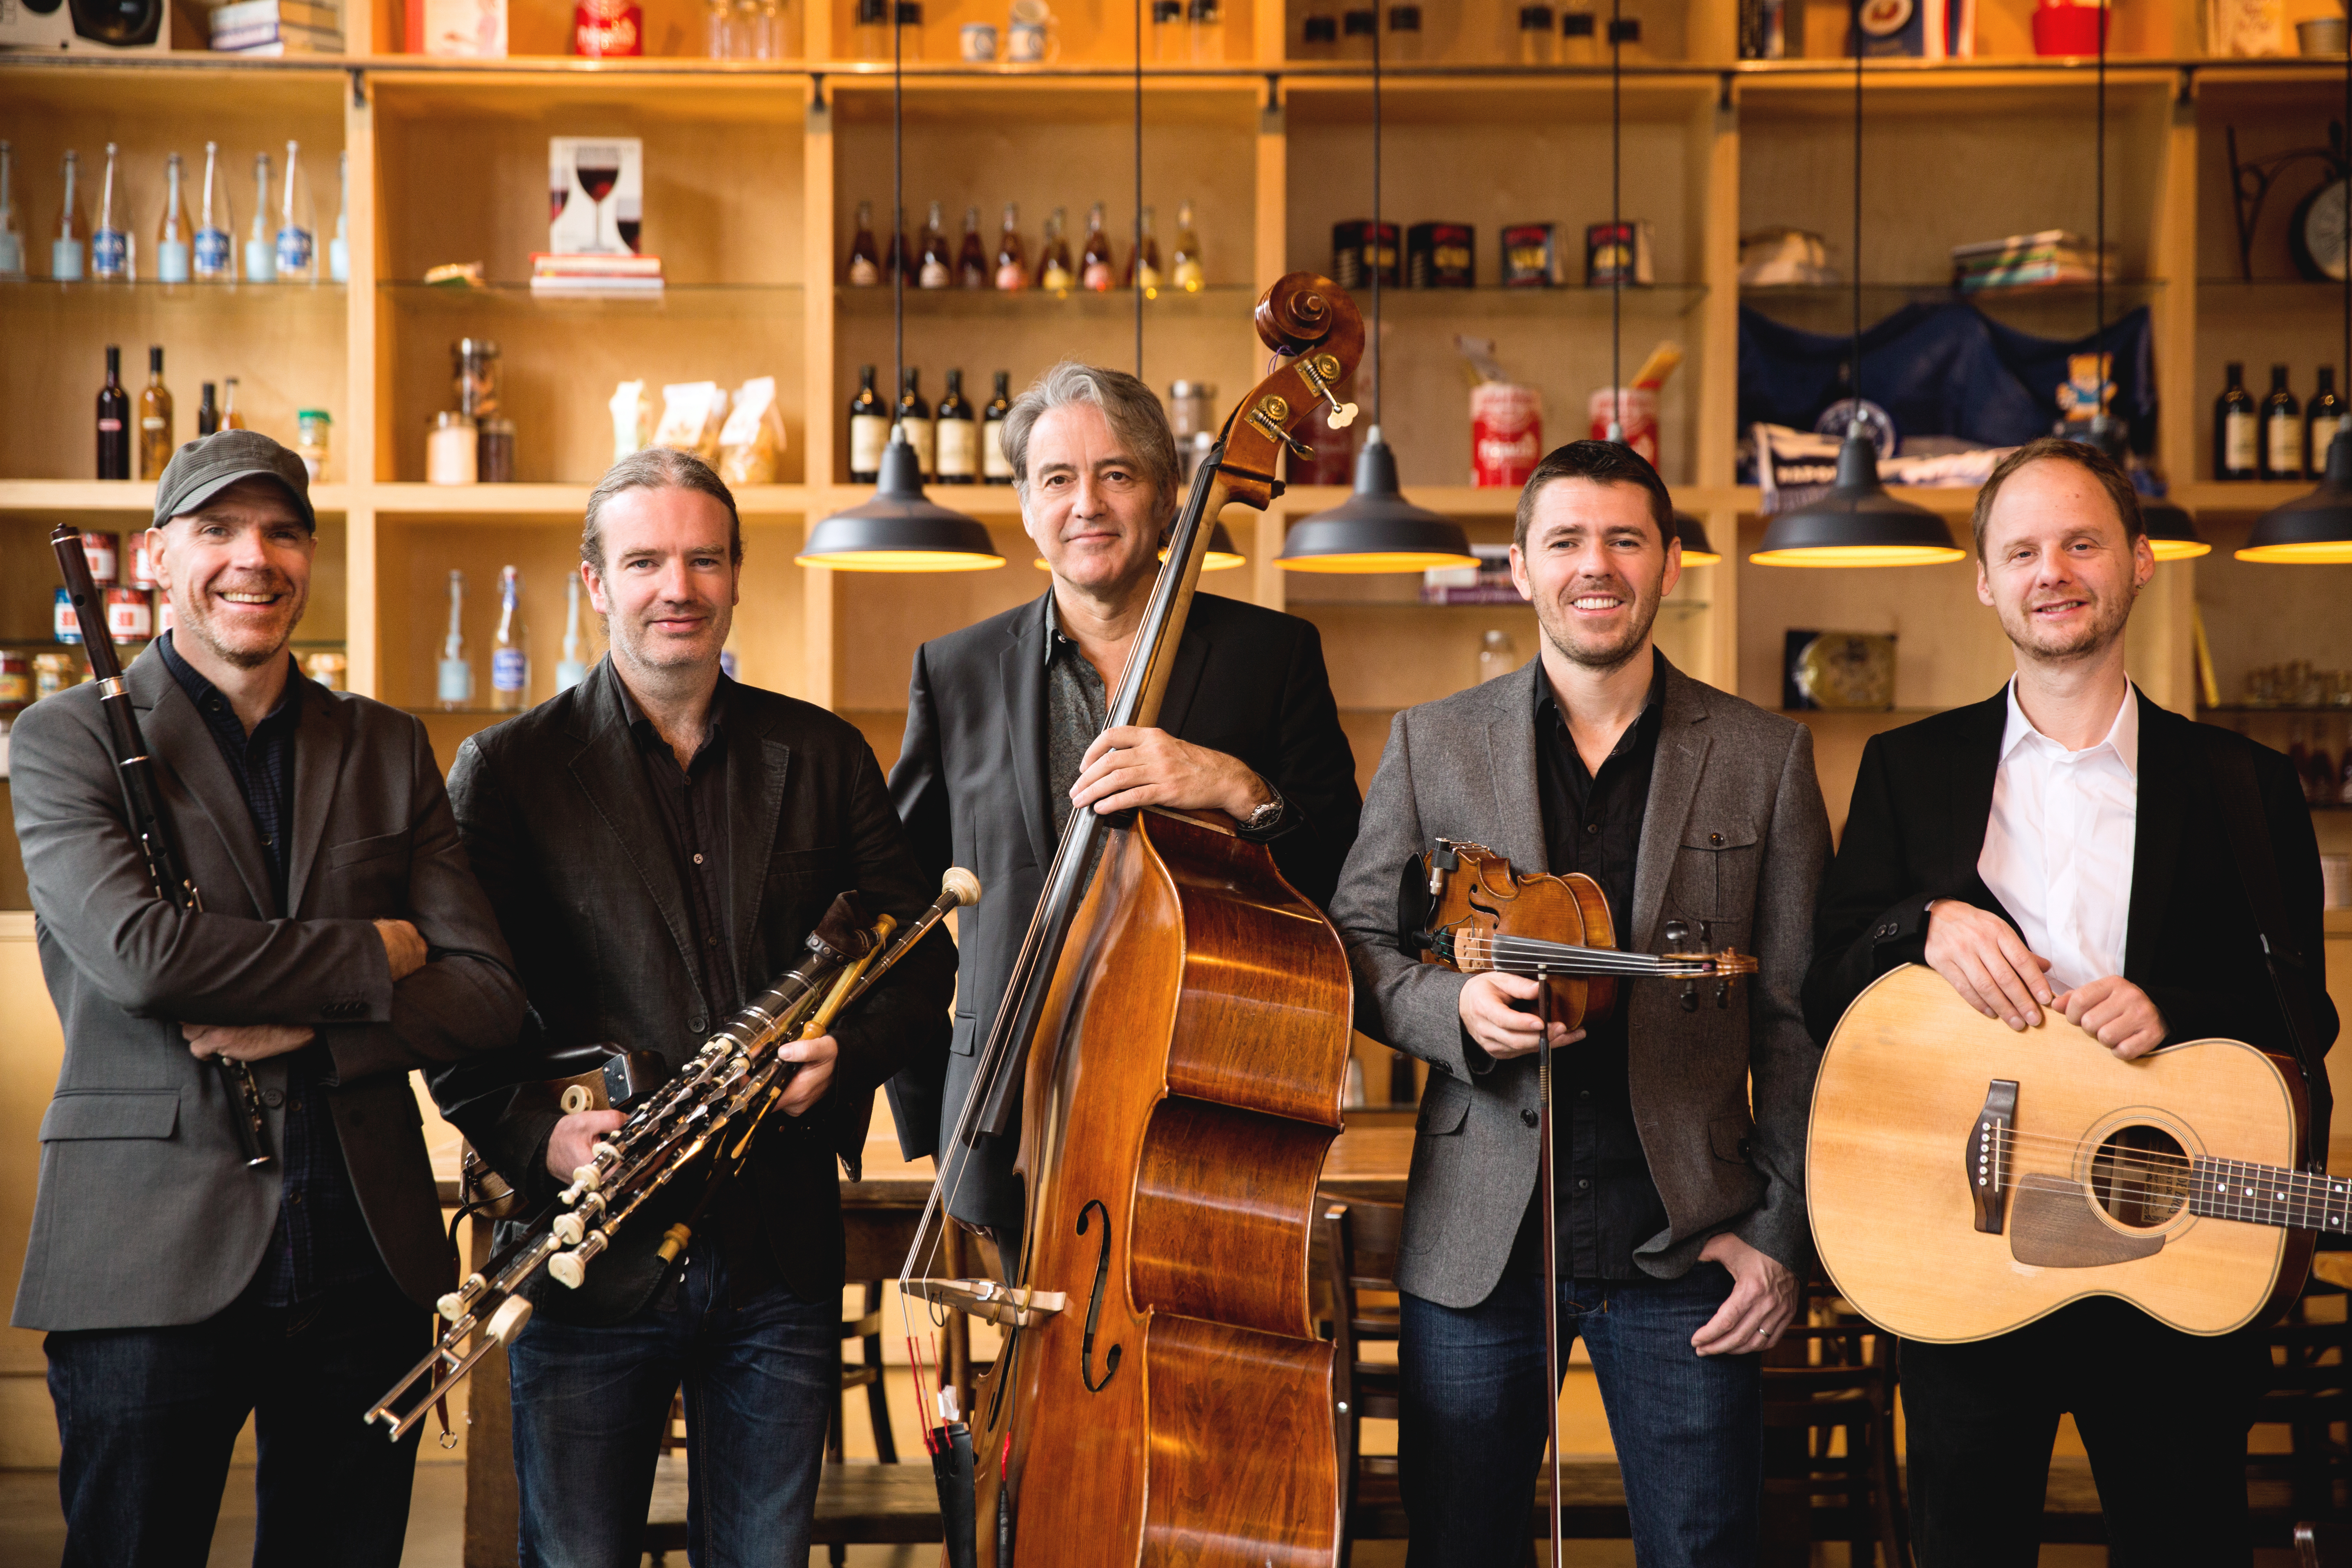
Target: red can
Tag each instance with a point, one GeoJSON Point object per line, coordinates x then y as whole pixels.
{"type": "Point", "coordinates": [16, 679]}
{"type": "Point", "coordinates": [105, 553]}
{"type": "Point", "coordinates": [1506, 433]}
{"type": "Point", "coordinates": [165, 616]}
{"type": "Point", "coordinates": [607, 29]}
{"type": "Point", "coordinates": [142, 563]}
{"type": "Point", "coordinates": [129, 615]}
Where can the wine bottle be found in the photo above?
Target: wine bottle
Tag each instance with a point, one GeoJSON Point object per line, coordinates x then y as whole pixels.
{"type": "Point", "coordinates": [914, 419]}
{"type": "Point", "coordinates": [175, 249]}
{"type": "Point", "coordinates": [1053, 255]}
{"type": "Point", "coordinates": [215, 255]}
{"type": "Point", "coordinates": [971, 261]}
{"type": "Point", "coordinates": [1095, 258]}
{"type": "Point", "coordinates": [1143, 267]}
{"type": "Point", "coordinates": [509, 662]}
{"type": "Point", "coordinates": [864, 260]}
{"type": "Point", "coordinates": [2237, 443]}
{"type": "Point", "coordinates": [1184, 262]}
{"type": "Point", "coordinates": [297, 238]}
{"type": "Point", "coordinates": [454, 685]}
{"type": "Point", "coordinates": [12, 223]}
{"type": "Point", "coordinates": [1011, 265]}
{"type": "Point", "coordinates": [570, 671]}
{"type": "Point", "coordinates": [2281, 430]}
{"type": "Point", "coordinates": [114, 420]}
{"type": "Point", "coordinates": [995, 468]}
{"type": "Point", "coordinates": [934, 269]}
{"type": "Point", "coordinates": [111, 259]}
{"type": "Point", "coordinates": [869, 429]}
{"type": "Point", "coordinates": [2321, 420]}
{"type": "Point", "coordinates": [156, 443]}
{"type": "Point", "coordinates": [207, 414]}
{"type": "Point", "coordinates": [67, 242]}
{"type": "Point", "coordinates": [958, 435]}
{"type": "Point", "coordinates": [260, 243]}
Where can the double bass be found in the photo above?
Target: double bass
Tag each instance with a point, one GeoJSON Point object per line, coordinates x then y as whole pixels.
{"type": "Point", "coordinates": [1177, 1028]}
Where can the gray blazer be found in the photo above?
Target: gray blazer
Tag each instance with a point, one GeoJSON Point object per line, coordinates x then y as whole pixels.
{"type": "Point", "coordinates": [146, 1213]}
{"type": "Point", "coordinates": [1734, 833]}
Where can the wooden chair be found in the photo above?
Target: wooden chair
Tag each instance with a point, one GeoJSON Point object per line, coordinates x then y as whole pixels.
{"type": "Point", "coordinates": [1356, 1246]}
{"type": "Point", "coordinates": [2322, 1545]}
{"type": "Point", "coordinates": [2309, 1394]}
{"type": "Point", "coordinates": [1832, 1376]}
{"type": "Point", "coordinates": [865, 1373]}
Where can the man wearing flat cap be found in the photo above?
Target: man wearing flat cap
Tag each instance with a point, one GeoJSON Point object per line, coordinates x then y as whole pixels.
{"type": "Point", "coordinates": [340, 941]}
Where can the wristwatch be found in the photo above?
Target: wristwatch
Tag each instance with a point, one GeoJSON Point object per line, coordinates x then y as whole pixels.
{"type": "Point", "coordinates": [1266, 815]}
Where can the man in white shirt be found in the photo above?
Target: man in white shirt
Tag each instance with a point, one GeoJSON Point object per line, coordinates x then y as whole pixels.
{"type": "Point", "coordinates": [2061, 846]}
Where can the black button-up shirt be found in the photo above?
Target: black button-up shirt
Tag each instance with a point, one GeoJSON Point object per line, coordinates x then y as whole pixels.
{"type": "Point", "coordinates": [322, 1239]}
{"type": "Point", "coordinates": [1607, 1203]}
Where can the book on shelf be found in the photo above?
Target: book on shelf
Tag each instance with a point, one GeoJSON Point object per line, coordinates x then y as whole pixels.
{"type": "Point", "coordinates": [276, 38]}
{"type": "Point", "coordinates": [552, 264]}
{"type": "Point", "coordinates": [318, 17]}
{"type": "Point", "coordinates": [2047, 257]}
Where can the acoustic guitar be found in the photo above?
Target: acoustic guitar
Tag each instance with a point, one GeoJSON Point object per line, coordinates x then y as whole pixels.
{"type": "Point", "coordinates": [1966, 1179]}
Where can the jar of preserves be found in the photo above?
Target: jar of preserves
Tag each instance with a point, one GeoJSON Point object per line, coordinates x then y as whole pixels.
{"type": "Point", "coordinates": [53, 672]}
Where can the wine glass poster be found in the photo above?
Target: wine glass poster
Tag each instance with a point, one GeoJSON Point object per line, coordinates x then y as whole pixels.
{"type": "Point", "coordinates": [595, 194]}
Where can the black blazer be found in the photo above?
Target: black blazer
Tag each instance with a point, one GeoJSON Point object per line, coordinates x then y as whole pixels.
{"type": "Point", "coordinates": [1917, 824]}
{"type": "Point", "coordinates": [970, 784]}
{"type": "Point", "coordinates": [555, 814]}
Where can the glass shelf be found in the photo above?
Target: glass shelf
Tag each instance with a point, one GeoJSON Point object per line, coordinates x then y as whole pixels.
{"type": "Point", "coordinates": [1031, 304]}
{"type": "Point", "coordinates": [148, 291]}
{"type": "Point", "coordinates": [1570, 299]}
{"type": "Point", "coordinates": [676, 301]}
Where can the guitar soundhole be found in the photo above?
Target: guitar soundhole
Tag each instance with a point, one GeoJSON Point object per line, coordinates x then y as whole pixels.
{"type": "Point", "coordinates": [2140, 1176]}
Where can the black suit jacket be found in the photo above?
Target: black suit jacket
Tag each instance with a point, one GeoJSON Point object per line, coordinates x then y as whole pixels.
{"type": "Point", "coordinates": [1921, 802]}
{"type": "Point", "coordinates": [556, 815]}
{"type": "Point", "coordinates": [970, 784]}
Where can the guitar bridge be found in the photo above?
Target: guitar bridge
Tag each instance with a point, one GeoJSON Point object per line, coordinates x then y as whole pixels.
{"type": "Point", "coordinates": [1988, 1153]}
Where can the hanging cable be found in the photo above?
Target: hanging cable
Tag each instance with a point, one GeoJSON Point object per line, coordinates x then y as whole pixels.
{"type": "Point", "coordinates": [1853, 366]}
{"type": "Point", "coordinates": [1135, 256]}
{"type": "Point", "coordinates": [1618, 247]}
{"type": "Point", "coordinates": [2099, 253]}
{"type": "Point", "coordinates": [898, 214]}
{"type": "Point", "coordinates": [1380, 383]}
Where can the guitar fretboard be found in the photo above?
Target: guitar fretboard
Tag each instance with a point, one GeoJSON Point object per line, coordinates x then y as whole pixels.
{"type": "Point", "coordinates": [2269, 1195]}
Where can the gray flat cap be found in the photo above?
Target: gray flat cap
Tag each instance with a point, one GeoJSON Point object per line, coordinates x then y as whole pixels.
{"type": "Point", "coordinates": [208, 465]}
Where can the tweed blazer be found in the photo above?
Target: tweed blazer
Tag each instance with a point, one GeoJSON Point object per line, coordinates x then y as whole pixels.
{"type": "Point", "coordinates": [147, 1214]}
{"type": "Point", "coordinates": [1734, 833]}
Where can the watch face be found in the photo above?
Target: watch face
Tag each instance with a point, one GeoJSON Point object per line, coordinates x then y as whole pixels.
{"type": "Point", "coordinates": [2316, 236]}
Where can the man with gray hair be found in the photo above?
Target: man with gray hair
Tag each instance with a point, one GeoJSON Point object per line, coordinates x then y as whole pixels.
{"type": "Point", "coordinates": [1005, 732]}
{"type": "Point", "coordinates": [657, 841]}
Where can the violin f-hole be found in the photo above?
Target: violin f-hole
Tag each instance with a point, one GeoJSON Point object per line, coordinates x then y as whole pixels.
{"type": "Point", "coordinates": [1094, 1306]}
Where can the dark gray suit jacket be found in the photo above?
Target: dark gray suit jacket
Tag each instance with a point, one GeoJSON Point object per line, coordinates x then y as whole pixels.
{"type": "Point", "coordinates": [567, 839]}
{"type": "Point", "coordinates": [147, 1214]}
{"type": "Point", "coordinates": [1734, 833]}
{"type": "Point", "coordinates": [970, 784]}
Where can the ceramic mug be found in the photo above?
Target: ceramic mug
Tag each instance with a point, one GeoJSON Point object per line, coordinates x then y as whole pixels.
{"type": "Point", "coordinates": [2320, 37]}
{"type": "Point", "coordinates": [979, 43]}
{"type": "Point", "coordinates": [1030, 42]}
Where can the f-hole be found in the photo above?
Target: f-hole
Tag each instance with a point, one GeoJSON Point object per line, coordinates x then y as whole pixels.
{"type": "Point", "coordinates": [2140, 1176]}
{"type": "Point", "coordinates": [1094, 1306]}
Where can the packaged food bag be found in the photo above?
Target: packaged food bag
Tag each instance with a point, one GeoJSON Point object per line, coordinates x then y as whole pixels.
{"type": "Point", "coordinates": [751, 442]}
{"type": "Point", "coordinates": [633, 419]}
{"type": "Point", "coordinates": [693, 413]}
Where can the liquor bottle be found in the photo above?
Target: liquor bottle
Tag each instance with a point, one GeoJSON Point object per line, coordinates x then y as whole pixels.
{"type": "Point", "coordinates": [1168, 46]}
{"type": "Point", "coordinates": [2237, 445]}
{"type": "Point", "coordinates": [871, 38]}
{"type": "Point", "coordinates": [156, 443]}
{"type": "Point", "coordinates": [971, 261]}
{"type": "Point", "coordinates": [339, 249]}
{"type": "Point", "coordinates": [1206, 21]}
{"type": "Point", "coordinates": [1184, 262]}
{"type": "Point", "coordinates": [260, 243]}
{"type": "Point", "coordinates": [230, 419]}
{"type": "Point", "coordinates": [570, 670]}
{"type": "Point", "coordinates": [1053, 255]}
{"type": "Point", "coordinates": [509, 664]}
{"type": "Point", "coordinates": [1143, 267]}
{"type": "Point", "coordinates": [869, 429]}
{"type": "Point", "coordinates": [958, 435]}
{"type": "Point", "coordinates": [66, 242]}
{"type": "Point", "coordinates": [454, 685]}
{"type": "Point", "coordinates": [175, 247]}
{"type": "Point", "coordinates": [113, 421]}
{"type": "Point", "coordinates": [112, 259]}
{"type": "Point", "coordinates": [914, 420]}
{"type": "Point", "coordinates": [207, 413]}
{"type": "Point", "coordinates": [215, 257]}
{"type": "Point", "coordinates": [1094, 258]}
{"type": "Point", "coordinates": [934, 269]}
{"type": "Point", "coordinates": [995, 468]}
{"type": "Point", "coordinates": [12, 224]}
{"type": "Point", "coordinates": [2281, 430]}
{"type": "Point", "coordinates": [1012, 267]}
{"type": "Point", "coordinates": [298, 225]}
{"type": "Point", "coordinates": [864, 260]}
{"type": "Point", "coordinates": [2321, 419]}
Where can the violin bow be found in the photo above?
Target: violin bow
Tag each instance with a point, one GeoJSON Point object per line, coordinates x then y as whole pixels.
{"type": "Point", "coordinates": [1545, 1182]}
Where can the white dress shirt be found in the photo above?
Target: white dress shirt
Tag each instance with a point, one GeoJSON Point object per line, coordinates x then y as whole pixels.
{"type": "Point", "coordinates": [2058, 847]}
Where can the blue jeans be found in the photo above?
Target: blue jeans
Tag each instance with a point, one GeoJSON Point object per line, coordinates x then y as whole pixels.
{"type": "Point", "coordinates": [589, 1405]}
{"type": "Point", "coordinates": [1689, 1430]}
{"type": "Point", "coordinates": [147, 1417]}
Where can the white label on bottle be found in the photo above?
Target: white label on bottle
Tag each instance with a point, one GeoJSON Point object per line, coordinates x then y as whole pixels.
{"type": "Point", "coordinates": [1009, 276]}
{"type": "Point", "coordinates": [2238, 443]}
{"type": "Point", "coordinates": [293, 249]}
{"type": "Point", "coordinates": [108, 427]}
{"type": "Point", "coordinates": [339, 261]}
{"type": "Point", "coordinates": [172, 260]}
{"type": "Point", "coordinates": [2323, 436]}
{"type": "Point", "coordinates": [12, 255]}
{"type": "Point", "coordinates": [260, 262]}
{"type": "Point", "coordinates": [2286, 447]}
{"type": "Point", "coordinates": [919, 437]}
{"type": "Point", "coordinates": [65, 260]}
{"type": "Point", "coordinates": [994, 465]}
{"type": "Point", "coordinates": [213, 253]}
{"type": "Point", "coordinates": [935, 274]}
{"type": "Point", "coordinates": [864, 274]}
{"type": "Point", "coordinates": [958, 450]}
{"type": "Point", "coordinates": [869, 432]}
{"type": "Point", "coordinates": [1056, 278]}
{"type": "Point", "coordinates": [1189, 277]}
{"type": "Point", "coordinates": [110, 253]}
{"type": "Point", "coordinates": [154, 422]}
{"type": "Point", "coordinates": [456, 685]}
{"type": "Point", "coordinates": [508, 669]}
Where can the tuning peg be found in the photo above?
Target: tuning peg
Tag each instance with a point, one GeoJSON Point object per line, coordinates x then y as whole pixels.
{"type": "Point", "coordinates": [1723, 993]}
{"type": "Point", "coordinates": [1677, 934]}
{"type": "Point", "coordinates": [1320, 372]}
{"type": "Point", "coordinates": [1268, 418]}
{"type": "Point", "coordinates": [1706, 936]}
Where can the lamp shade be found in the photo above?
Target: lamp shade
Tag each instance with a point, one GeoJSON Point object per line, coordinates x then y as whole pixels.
{"type": "Point", "coordinates": [1376, 528]}
{"type": "Point", "coordinates": [2172, 531]}
{"type": "Point", "coordinates": [2313, 529]}
{"type": "Point", "coordinates": [1697, 550]}
{"type": "Point", "coordinates": [1857, 523]}
{"type": "Point", "coordinates": [900, 529]}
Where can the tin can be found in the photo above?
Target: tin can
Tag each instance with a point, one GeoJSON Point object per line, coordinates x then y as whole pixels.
{"type": "Point", "coordinates": [1636, 409]}
{"type": "Point", "coordinates": [1440, 256]}
{"type": "Point", "coordinates": [104, 551]}
{"type": "Point", "coordinates": [142, 561]}
{"type": "Point", "coordinates": [607, 29]}
{"type": "Point", "coordinates": [167, 617]}
{"type": "Point", "coordinates": [53, 672]}
{"type": "Point", "coordinates": [129, 615]}
{"type": "Point", "coordinates": [1531, 256]}
{"type": "Point", "coordinates": [1622, 253]}
{"type": "Point", "coordinates": [329, 670]}
{"type": "Point", "coordinates": [16, 679]}
{"type": "Point", "coordinates": [1358, 246]}
{"type": "Point", "coordinates": [64, 624]}
{"type": "Point", "coordinates": [1506, 433]}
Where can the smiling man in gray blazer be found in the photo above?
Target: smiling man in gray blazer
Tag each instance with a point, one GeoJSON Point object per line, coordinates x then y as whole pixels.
{"type": "Point", "coordinates": [1679, 1125]}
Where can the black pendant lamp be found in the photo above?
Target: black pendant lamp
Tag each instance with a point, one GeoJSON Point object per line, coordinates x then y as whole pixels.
{"type": "Point", "coordinates": [1697, 550]}
{"type": "Point", "coordinates": [899, 529]}
{"type": "Point", "coordinates": [1857, 523]}
{"type": "Point", "coordinates": [1376, 528]}
{"type": "Point", "coordinates": [2316, 529]}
